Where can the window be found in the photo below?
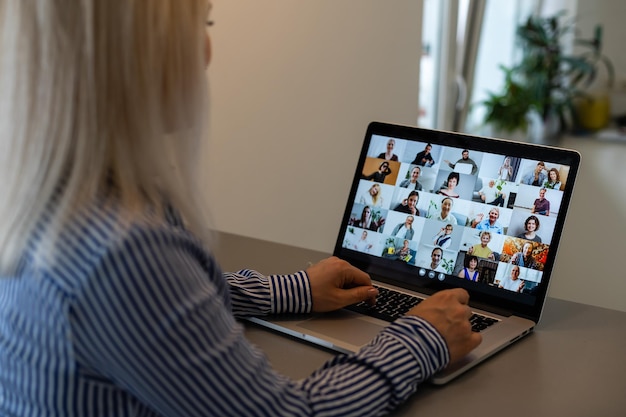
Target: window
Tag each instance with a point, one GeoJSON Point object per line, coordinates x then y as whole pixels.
{"type": "Point", "coordinates": [464, 44]}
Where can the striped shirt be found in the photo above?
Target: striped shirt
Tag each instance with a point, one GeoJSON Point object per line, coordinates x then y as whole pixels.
{"type": "Point", "coordinates": [140, 321]}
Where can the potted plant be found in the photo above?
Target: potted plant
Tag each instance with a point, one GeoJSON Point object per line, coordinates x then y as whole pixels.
{"type": "Point", "coordinates": [390, 246]}
{"type": "Point", "coordinates": [448, 265]}
{"type": "Point", "coordinates": [499, 184]}
{"type": "Point", "coordinates": [543, 87]}
{"type": "Point", "coordinates": [593, 109]}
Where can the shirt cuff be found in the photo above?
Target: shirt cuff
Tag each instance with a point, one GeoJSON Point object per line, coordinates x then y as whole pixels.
{"type": "Point", "coordinates": [423, 342]}
{"type": "Point", "coordinates": [290, 293]}
{"type": "Point", "coordinates": [405, 354]}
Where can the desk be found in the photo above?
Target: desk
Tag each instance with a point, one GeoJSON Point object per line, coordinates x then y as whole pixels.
{"type": "Point", "coordinates": [574, 363]}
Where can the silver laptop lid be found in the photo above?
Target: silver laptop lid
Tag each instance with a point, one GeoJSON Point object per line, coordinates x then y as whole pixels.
{"type": "Point", "coordinates": [430, 210]}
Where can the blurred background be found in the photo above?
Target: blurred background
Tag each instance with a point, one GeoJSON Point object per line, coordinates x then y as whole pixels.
{"type": "Point", "coordinates": [294, 85]}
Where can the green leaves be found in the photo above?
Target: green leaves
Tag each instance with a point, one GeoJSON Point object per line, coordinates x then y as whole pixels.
{"type": "Point", "coordinates": [546, 80]}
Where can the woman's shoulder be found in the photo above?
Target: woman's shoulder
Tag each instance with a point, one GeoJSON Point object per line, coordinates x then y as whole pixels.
{"type": "Point", "coordinates": [154, 230]}
{"type": "Point", "coordinates": [115, 242]}
{"type": "Point", "coordinates": [108, 225]}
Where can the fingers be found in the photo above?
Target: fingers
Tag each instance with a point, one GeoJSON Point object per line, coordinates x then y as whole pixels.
{"type": "Point", "coordinates": [356, 277]}
{"type": "Point", "coordinates": [358, 294]}
{"type": "Point", "coordinates": [335, 284]}
{"type": "Point", "coordinates": [474, 340]}
{"type": "Point", "coordinates": [351, 275]}
{"type": "Point", "coordinates": [458, 294]}
{"type": "Point", "coordinates": [461, 295]}
{"type": "Point", "coordinates": [358, 285]}
{"type": "Point", "coordinates": [448, 311]}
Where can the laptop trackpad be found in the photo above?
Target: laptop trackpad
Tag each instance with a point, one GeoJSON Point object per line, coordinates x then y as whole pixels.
{"type": "Point", "coordinates": [347, 326]}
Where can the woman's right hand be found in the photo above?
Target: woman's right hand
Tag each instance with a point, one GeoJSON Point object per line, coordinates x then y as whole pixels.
{"type": "Point", "coordinates": [448, 311]}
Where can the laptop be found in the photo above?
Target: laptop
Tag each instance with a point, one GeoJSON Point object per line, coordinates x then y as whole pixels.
{"type": "Point", "coordinates": [420, 226]}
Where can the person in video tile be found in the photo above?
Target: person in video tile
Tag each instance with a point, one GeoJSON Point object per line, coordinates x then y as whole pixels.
{"type": "Point", "coordinates": [531, 226]}
{"type": "Point", "coordinates": [372, 197]}
{"type": "Point", "coordinates": [446, 214]}
{"type": "Point", "coordinates": [465, 159]}
{"type": "Point", "coordinates": [424, 158]}
{"type": "Point", "coordinates": [506, 170]}
{"type": "Point", "coordinates": [405, 253]}
{"type": "Point", "coordinates": [554, 180]}
{"type": "Point", "coordinates": [412, 182]}
{"type": "Point", "coordinates": [443, 239]}
{"type": "Point", "coordinates": [389, 155]}
{"type": "Point", "coordinates": [490, 223]}
{"type": "Point", "coordinates": [363, 244]}
{"type": "Point", "coordinates": [513, 283]}
{"type": "Point", "coordinates": [541, 204]}
{"type": "Point", "coordinates": [381, 174]}
{"type": "Point", "coordinates": [404, 230]}
{"type": "Point", "coordinates": [368, 221]}
{"type": "Point", "coordinates": [525, 257]}
{"type": "Point", "coordinates": [409, 204]}
{"type": "Point", "coordinates": [482, 249]}
{"type": "Point", "coordinates": [469, 272]}
{"type": "Point", "coordinates": [436, 256]}
{"type": "Point", "coordinates": [451, 183]}
{"type": "Point", "coordinates": [537, 177]}
{"type": "Point", "coordinates": [489, 194]}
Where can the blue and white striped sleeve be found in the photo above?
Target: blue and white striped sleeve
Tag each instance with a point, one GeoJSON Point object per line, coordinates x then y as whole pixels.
{"type": "Point", "coordinates": [155, 319]}
{"type": "Point", "coordinates": [381, 375]}
{"type": "Point", "coordinates": [253, 293]}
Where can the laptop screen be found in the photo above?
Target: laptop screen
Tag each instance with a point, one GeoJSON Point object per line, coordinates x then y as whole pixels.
{"type": "Point", "coordinates": [430, 210]}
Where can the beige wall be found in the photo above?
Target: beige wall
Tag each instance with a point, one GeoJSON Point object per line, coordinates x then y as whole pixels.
{"type": "Point", "coordinates": [293, 86]}
{"type": "Point", "coordinates": [590, 263]}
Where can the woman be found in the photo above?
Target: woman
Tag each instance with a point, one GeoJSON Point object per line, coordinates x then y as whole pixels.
{"type": "Point", "coordinates": [506, 170]}
{"type": "Point", "coordinates": [409, 204]}
{"type": "Point", "coordinates": [448, 189]}
{"type": "Point", "coordinates": [470, 272]}
{"type": "Point", "coordinates": [389, 155]}
{"type": "Point", "coordinates": [363, 245]}
{"type": "Point", "coordinates": [554, 181]}
{"type": "Point", "coordinates": [372, 197]}
{"type": "Point", "coordinates": [413, 182]}
{"type": "Point", "coordinates": [111, 302]}
{"type": "Point", "coordinates": [404, 250]}
{"type": "Point", "coordinates": [368, 220]}
{"type": "Point", "coordinates": [404, 253]}
{"type": "Point", "coordinates": [446, 212]}
{"type": "Point", "coordinates": [443, 238]}
{"type": "Point", "coordinates": [482, 250]}
{"type": "Point", "coordinates": [381, 174]}
{"type": "Point", "coordinates": [531, 226]}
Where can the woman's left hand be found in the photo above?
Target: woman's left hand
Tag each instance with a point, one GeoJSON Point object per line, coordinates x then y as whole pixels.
{"type": "Point", "coordinates": [335, 284]}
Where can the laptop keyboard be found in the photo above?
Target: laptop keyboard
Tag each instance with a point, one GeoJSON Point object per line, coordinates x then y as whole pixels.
{"type": "Point", "coordinates": [391, 305]}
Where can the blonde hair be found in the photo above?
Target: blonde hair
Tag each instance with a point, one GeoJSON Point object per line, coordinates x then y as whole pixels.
{"type": "Point", "coordinates": [377, 196]}
{"type": "Point", "coordinates": [98, 95]}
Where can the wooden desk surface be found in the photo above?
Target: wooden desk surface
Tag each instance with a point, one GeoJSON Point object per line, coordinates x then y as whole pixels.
{"type": "Point", "coordinates": [574, 364]}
